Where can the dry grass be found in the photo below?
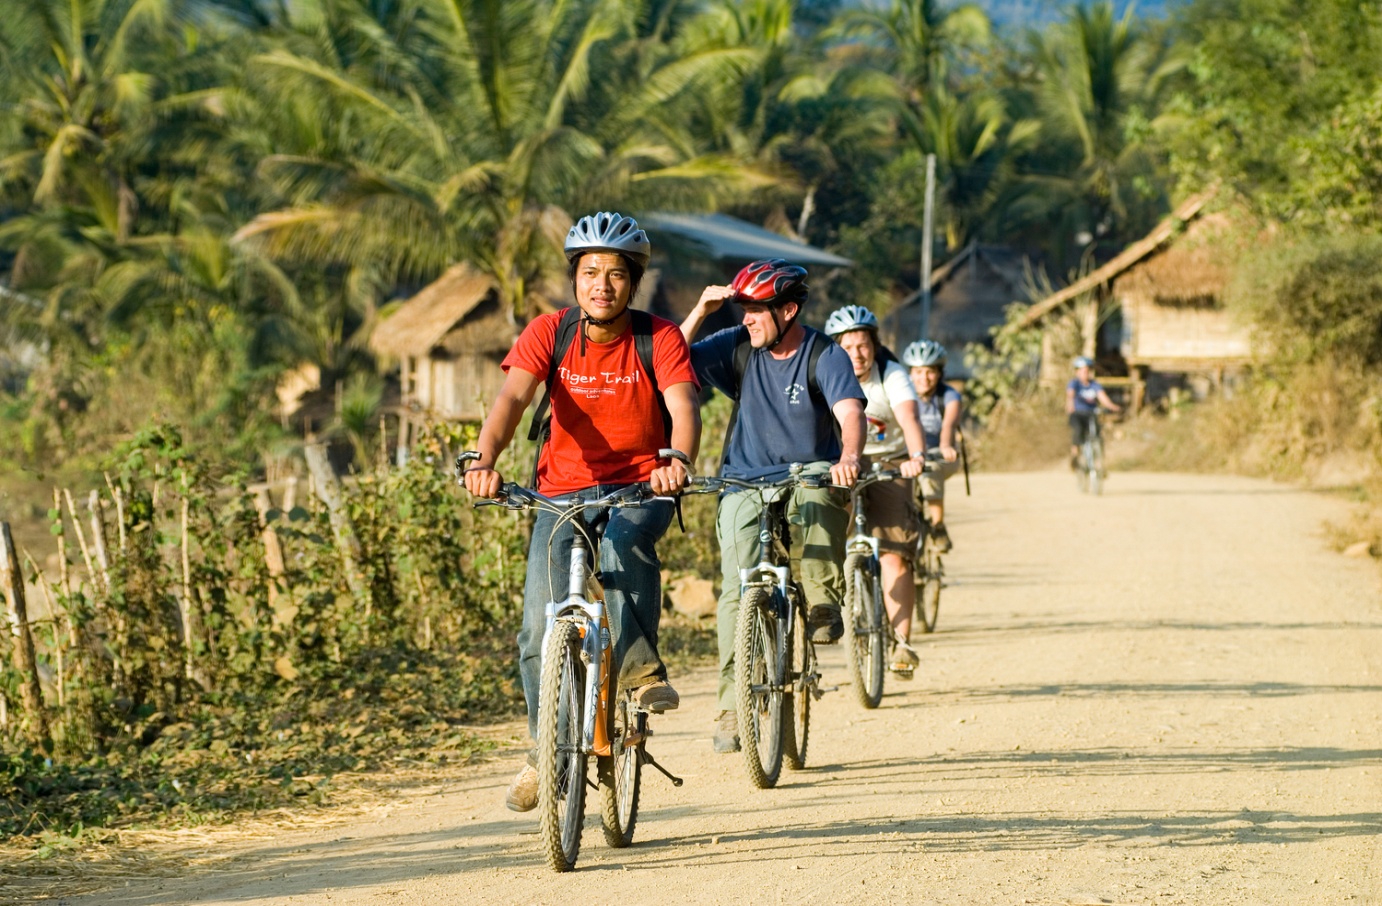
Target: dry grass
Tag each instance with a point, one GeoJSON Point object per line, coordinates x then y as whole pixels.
{"type": "Point", "coordinates": [1022, 437]}
{"type": "Point", "coordinates": [103, 859]}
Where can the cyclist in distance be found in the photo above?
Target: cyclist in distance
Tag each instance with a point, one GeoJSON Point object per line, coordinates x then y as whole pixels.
{"type": "Point", "coordinates": [896, 440]}
{"type": "Point", "coordinates": [940, 406]}
{"type": "Point", "coordinates": [1083, 397]}
{"type": "Point", "coordinates": [797, 400]}
{"type": "Point", "coordinates": [610, 417]}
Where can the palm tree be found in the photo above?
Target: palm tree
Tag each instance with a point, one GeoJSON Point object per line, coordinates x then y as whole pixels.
{"type": "Point", "coordinates": [918, 41]}
{"type": "Point", "coordinates": [1101, 86]}
{"type": "Point", "coordinates": [422, 133]}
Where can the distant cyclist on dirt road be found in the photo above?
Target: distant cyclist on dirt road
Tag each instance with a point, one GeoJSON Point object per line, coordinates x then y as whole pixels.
{"type": "Point", "coordinates": [797, 401]}
{"type": "Point", "coordinates": [621, 388]}
{"type": "Point", "coordinates": [940, 407]}
{"type": "Point", "coordinates": [896, 441]}
{"type": "Point", "coordinates": [1083, 397]}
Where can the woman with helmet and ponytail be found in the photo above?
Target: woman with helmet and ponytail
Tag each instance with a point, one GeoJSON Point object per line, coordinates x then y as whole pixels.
{"type": "Point", "coordinates": [797, 401]}
{"type": "Point", "coordinates": [940, 417]}
{"type": "Point", "coordinates": [610, 416]}
{"type": "Point", "coordinates": [896, 441]}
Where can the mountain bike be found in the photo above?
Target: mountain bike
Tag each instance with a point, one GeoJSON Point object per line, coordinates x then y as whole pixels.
{"type": "Point", "coordinates": [867, 629]}
{"type": "Point", "coordinates": [1090, 473]}
{"type": "Point", "coordinates": [580, 714]}
{"type": "Point", "coordinates": [776, 674]}
{"type": "Point", "coordinates": [928, 569]}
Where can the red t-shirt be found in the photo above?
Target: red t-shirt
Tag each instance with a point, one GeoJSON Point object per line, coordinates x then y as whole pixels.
{"type": "Point", "coordinates": [606, 424]}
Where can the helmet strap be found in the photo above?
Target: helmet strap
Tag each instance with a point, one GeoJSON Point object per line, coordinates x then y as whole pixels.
{"type": "Point", "coordinates": [782, 327]}
{"type": "Point", "coordinates": [587, 319]}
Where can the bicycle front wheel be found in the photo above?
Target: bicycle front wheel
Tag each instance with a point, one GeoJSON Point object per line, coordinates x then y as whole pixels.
{"type": "Point", "coordinates": [797, 703]}
{"type": "Point", "coordinates": [561, 763]}
{"type": "Point", "coordinates": [864, 626]}
{"type": "Point", "coordinates": [758, 682]}
{"type": "Point", "coordinates": [621, 776]}
{"type": "Point", "coordinates": [1096, 467]}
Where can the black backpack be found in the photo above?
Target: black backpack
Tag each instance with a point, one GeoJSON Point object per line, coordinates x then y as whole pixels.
{"type": "Point", "coordinates": [642, 325]}
{"type": "Point", "coordinates": [743, 348]}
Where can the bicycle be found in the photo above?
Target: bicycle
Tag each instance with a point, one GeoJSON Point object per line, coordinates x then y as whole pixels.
{"type": "Point", "coordinates": [1090, 473]}
{"type": "Point", "coordinates": [865, 615]}
{"type": "Point", "coordinates": [928, 569]}
{"type": "Point", "coordinates": [775, 668]}
{"type": "Point", "coordinates": [579, 714]}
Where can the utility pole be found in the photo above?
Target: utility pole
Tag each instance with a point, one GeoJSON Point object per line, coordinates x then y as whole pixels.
{"type": "Point", "coordinates": [928, 224]}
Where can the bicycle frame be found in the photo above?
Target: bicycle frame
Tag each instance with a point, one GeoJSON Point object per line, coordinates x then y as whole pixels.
{"type": "Point", "coordinates": [597, 652]}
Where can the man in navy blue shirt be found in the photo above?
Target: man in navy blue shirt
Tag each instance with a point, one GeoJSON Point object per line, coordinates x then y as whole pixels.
{"type": "Point", "coordinates": [784, 417]}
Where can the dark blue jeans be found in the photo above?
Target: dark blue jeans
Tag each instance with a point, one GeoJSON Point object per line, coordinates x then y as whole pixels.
{"type": "Point", "coordinates": [633, 591]}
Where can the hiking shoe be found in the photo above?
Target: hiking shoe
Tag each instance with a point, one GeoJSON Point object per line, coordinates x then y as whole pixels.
{"type": "Point", "coordinates": [727, 733]}
{"type": "Point", "coordinates": [904, 661]}
{"type": "Point", "coordinates": [656, 696]}
{"type": "Point", "coordinates": [522, 795]}
{"type": "Point", "coordinates": [825, 624]}
{"type": "Point", "coordinates": [941, 538]}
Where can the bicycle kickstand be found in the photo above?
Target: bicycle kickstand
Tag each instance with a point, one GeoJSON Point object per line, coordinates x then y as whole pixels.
{"type": "Point", "coordinates": [650, 760]}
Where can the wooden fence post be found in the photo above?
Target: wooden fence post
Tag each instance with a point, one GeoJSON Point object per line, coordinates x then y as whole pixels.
{"type": "Point", "coordinates": [98, 535]}
{"type": "Point", "coordinates": [328, 487]}
{"type": "Point", "coordinates": [25, 659]}
{"type": "Point", "coordinates": [273, 548]}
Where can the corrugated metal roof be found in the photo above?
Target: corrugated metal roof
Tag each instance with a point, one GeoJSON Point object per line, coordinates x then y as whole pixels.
{"type": "Point", "coordinates": [727, 238]}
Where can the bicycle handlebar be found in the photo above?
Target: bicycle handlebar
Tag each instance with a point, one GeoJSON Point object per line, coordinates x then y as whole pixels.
{"type": "Point", "coordinates": [513, 496]}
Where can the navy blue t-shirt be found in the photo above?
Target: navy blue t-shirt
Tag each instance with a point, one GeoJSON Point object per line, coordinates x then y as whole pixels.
{"type": "Point", "coordinates": [1086, 395]}
{"type": "Point", "coordinates": [778, 424]}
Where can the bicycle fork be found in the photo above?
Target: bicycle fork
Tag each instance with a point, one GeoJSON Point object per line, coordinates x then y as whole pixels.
{"type": "Point", "coordinates": [596, 650]}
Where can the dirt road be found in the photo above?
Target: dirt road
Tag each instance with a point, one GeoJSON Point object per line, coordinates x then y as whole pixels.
{"type": "Point", "coordinates": [1167, 695]}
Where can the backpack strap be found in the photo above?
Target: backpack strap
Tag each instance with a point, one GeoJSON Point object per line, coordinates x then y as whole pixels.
{"type": "Point", "coordinates": [642, 325]}
{"type": "Point", "coordinates": [743, 348]}
{"type": "Point", "coordinates": [541, 427]}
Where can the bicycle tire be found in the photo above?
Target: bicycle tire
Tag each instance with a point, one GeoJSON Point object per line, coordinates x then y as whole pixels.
{"type": "Point", "coordinates": [1096, 467]}
{"type": "Point", "coordinates": [929, 579]}
{"type": "Point", "coordinates": [561, 765]}
{"type": "Point", "coordinates": [621, 777]}
{"type": "Point", "coordinates": [797, 704]}
{"type": "Point", "coordinates": [864, 628]}
{"type": "Point", "coordinates": [758, 677]}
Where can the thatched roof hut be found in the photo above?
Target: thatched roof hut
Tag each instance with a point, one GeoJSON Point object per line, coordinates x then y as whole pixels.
{"type": "Point", "coordinates": [970, 295]}
{"type": "Point", "coordinates": [1174, 317]}
{"type": "Point", "coordinates": [449, 340]}
{"type": "Point", "coordinates": [1169, 290]}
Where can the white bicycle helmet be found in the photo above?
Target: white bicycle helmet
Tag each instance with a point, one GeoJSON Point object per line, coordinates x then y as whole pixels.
{"type": "Point", "coordinates": [924, 354]}
{"type": "Point", "coordinates": [609, 232]}
{"type": "Point", "coordinates": [1084, 362]}
{"type": "Point", "coordinates": [851, 317]}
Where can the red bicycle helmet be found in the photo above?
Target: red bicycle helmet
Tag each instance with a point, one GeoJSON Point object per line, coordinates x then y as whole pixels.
{"type": "Point", "coordinates": [771, 281]}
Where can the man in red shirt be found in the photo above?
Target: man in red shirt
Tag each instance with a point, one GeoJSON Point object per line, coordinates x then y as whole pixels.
{"type": "Point", "coordinates": [606, 431]}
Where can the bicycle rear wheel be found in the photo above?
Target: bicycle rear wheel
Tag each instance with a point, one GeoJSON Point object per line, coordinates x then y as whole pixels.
{"type": "Point", "coordinates": [797, 704]}
{"type": "Point", "coordinates": [620, 775]}
{"type": "Point", "coordinates": [928, 585]}
{"type": "Point", "coordinates": [758, 681]}
{"type": "Point", "coordinates": [561, 765]}
{"type": "Point", "coordinates": [864, 627]}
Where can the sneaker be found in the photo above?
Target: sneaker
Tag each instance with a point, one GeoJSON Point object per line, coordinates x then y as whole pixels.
{"type": "Point", "coordinates": [727, 733]}
{"type": "Point", "coordinates": [941, 538]}
{"type": "Point", "coordinates": [905, 661]}
{"type": "Point", "coordinates": [1074, 462]}
{"type": "Point", "coordinates": [825, 624]}
{"type": "Point", "coordinates": [522, 795]}
{"type": "Point", "coordinates": [656, 696]}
